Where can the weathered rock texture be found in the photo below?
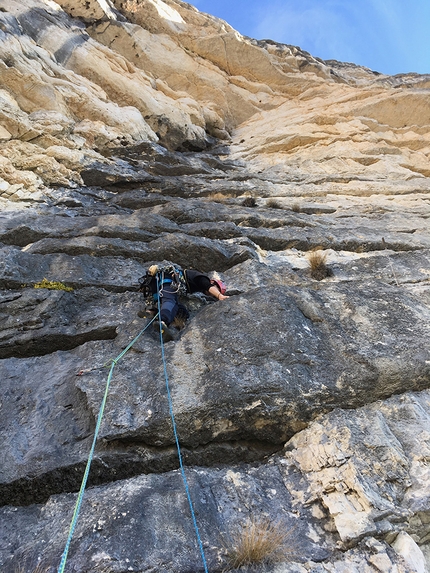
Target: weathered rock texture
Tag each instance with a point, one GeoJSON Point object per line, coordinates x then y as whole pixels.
{"type": "Point", "coordinates": [139, 132]}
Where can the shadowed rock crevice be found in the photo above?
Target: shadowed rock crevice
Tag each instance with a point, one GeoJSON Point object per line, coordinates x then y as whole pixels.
{"type": "Point", "coordinates": [48, 343]}
{"type": "Point", "coordinates": [118, 461]}
{"type": "Point", "coordinates": [21, 236]}
{"type": "Point", "coordinates": [41, 321]}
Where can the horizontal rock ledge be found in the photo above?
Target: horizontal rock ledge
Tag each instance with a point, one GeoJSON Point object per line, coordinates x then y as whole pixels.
{"type": "Point", "coordinates": [113, 462]}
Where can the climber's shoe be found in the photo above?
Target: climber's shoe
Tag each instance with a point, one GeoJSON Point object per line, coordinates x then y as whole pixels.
{"type": "Point", "coordinates": [166, 332]}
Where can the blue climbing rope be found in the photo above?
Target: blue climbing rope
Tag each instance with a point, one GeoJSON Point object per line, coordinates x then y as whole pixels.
{"type": "Point", "coordinates": [91, 454]}
{"type": "Point", "coordinates": [175, 433]}
{"type": "Point", "coordinates": [96, 432]}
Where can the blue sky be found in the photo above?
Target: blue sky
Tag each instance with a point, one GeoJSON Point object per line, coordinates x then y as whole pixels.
{"type": "Point", "coordinates": [388, 36]}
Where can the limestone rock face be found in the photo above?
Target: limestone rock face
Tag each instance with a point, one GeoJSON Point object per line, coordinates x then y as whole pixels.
{"type": "Point", "coordinates": [117, 74]}
{"type": "Point", "coordinates": [142, 132]}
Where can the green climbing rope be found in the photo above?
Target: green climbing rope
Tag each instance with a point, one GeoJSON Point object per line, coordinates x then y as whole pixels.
{"type": "Point", "coordinates": [91, 454]}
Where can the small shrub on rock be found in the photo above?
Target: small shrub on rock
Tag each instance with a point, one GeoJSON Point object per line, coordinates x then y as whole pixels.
{"type": "Point", "coordinates": [259, 541]}
{"type": "Point", "coordinates": [273, 204]}
{"type": "Point", "coordinates": [217, 197]}
{"type": "Point", "coordinates": [131, 6]}
{"type": "Point", "coordinates": [249, 202]}
{"type": "Point", "coordinates": [317, 264]}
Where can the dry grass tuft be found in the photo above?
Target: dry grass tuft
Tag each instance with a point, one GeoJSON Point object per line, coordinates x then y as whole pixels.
{"type": "Point", "coordinates": [217, 197]}
{"type": "Point", "coordinates": [317, 263]}
{"type": "Point", "coordinates": [259, 541]}
{"type": "Point", "coordinates": [273, 204]}
{"type": "Point", "coordinates": [249, 202]}
{"type": "Point", "coordinates": [296, 208]}
{"type": "Point", "coordinates": [179, 322]}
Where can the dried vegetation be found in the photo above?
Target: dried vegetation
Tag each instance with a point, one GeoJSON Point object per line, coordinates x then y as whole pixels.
{"type": "Point", "coordinates": [259, 541]}
{"type": "Point", "coordinates": [318, 265]}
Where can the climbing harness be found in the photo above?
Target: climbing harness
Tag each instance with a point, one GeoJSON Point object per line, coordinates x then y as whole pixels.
{"type": "Point", "coordinates": [168, 274]}
{"type": "Point", "coordinates": [160, 281]}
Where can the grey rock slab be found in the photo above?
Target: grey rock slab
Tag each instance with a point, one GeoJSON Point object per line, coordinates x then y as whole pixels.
{"type": "Point", "coordinates": [256, 274]}
{"type": "Point", "coordinates": [138, 198]}
{"type": "Point", "coordinates": [396, 268]}
{"type": "Point", "coordinates": [256, 367]}
{"type": "Point", "coordinates": [100, 174]}
{"type": "Point", "coordinates": [421, 291]}
{"type": "Point", "coordinates": [141, 219]}
{"type": "Point", "coordinates": [120, 232]}
{"type": "Point", "coordinates": [213, 230]}
{"type": "Point", "coordinates": [48, 423]}
{"type": "Point", "coordinates": [140, 171]}
{"type": "Point", "coordinates": [19, 268]}
{"type": "Point", "coordinates": [199, 252]}
{"type": "Point", "coordinates": [270, 218]}
{"type": "Point", "coordinates": [192, 210]}
{"type": "Point", "coordinates": [282, 239]}
{"type": "Point", "coordinates": [330, 237]}
{"type": "Point", "coordinates": [22, 230]}
{"type": "Point", "coordinates": [158, 160]}
{"type": "Point", "coordinates": [34, 322]}
{"type": "Point", "coordinates": [136, 226]}
{"type": "Point", "coordinates": [187, 251]}
{"type": "Point", "coordinates": [208, 185]}
{"type": "Point", "coordinates": [262, 365]}
{"type": "Point", "coordinates": [145, 522]}
{"type": "Point", "coordinates": [345, 455]}
{"type": "Point", "coordinates": [79, 201]}
{"type": "Point", "coordinates": [95, 246]}
{"type": "Point", "coordinates": [372, 454]}
{"type": "Point", "coordinates": [45, 423]}
{"type": "Point", "coordinates": [183, 211]}
{"type": "Point", "coordinates": [45, 418]}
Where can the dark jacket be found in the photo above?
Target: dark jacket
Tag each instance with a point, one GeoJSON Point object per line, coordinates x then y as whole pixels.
{"type": "Point", "coordinates": [195, 281]}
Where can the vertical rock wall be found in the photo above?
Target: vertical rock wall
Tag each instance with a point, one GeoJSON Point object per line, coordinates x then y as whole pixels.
{"type": "Point", "coordinates": [141, 132]}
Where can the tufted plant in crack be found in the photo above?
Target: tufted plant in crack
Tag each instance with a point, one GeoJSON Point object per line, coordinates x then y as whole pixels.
{"type": "Point", "coordinates": [249, 202]}
{"type": "Point", "coordinates": [273, 204]}
{"type": "Point", "coordinates": [131, 6]}
{"type": "Point", "coordinates": [258, 541]}
{"type": "Point", "coordinates": [317, 264]}
{"type": "Point", "coordinates": [218, 197]}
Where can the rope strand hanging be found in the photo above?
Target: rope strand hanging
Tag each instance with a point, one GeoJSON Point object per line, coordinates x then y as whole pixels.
{"type": "Point", "coordinates": [175, 433]}
{"type": "Point", "coordinates": [91, 454]}
{"type": "Point", "coordinates": [96, 432]}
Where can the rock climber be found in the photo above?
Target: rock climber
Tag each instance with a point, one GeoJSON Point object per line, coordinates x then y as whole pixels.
{"type": "Point", "coordinates": [168, 282]}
